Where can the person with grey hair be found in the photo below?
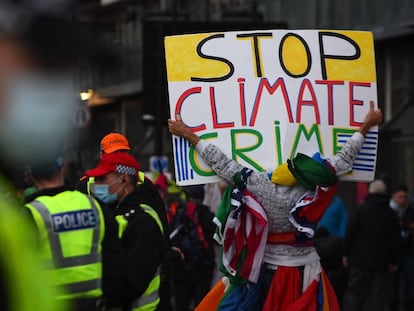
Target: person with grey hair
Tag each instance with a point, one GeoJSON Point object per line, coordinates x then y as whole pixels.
{"type": "Point", "coordinates": [371, 251]}
{"type": "Point", "coordinates": [377, 186]}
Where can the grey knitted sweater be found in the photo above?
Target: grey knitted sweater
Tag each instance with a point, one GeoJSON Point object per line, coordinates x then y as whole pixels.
{"type": "Point", "coordinates": [277, 200]}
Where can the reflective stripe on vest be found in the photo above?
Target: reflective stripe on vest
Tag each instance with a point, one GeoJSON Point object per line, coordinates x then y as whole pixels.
{"type": "Point", "coordinates": [89, 182]}
{"type": "Point", "coordinates": [141, 178]}
{"type": "Point", "coordinates": [150, 298]}
{"type": "Point", "coordinates": [150, 211]}
{"type": "Point", "coordinates": [71, 271]}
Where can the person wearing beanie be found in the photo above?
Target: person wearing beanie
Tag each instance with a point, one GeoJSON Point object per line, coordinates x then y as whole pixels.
{"type": "Point", "coordinates": [287, 274]}
{"type": "Point", "coordinates": [132, 277]}
{"type": "Point", "coordinates": [371, 251]}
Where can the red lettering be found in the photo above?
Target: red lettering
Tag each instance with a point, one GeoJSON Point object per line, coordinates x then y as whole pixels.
{"type": "Point", "coordinates": [216, 124]}
{"type": "Point", "coordinates": [242, 101]}
{"type": "Point", "coordinates": [306, 84]}
{"type": "Point", "coordinates": [180, 102]}
{"type": "Point", "coordinates": [330, 84]}
{"type": "Point", "coordinates": [264, 83]}
{"type": "Point", "coordinates": [355, 102]}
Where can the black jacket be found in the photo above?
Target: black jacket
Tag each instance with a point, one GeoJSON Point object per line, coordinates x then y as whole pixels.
{"type": "Point", "coordinates": [128, 274]}
{"type": "Point", "coordinates": [407, 233]}
{"type": "Point", "coordinates": [372, 237]}
{"type": "Point", "coordinates": [149, 194]}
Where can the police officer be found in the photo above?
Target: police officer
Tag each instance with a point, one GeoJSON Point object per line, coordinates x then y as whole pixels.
{"type": "Point", "coordinates": [140, 230]}
{"type": "Point", "coordinates": [116, 142]}
{"type": "Point", "coordinates": [70, 230]}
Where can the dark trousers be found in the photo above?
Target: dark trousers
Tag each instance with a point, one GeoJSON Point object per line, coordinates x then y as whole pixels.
{"type": "Point", "coordinates": [189, 292]}
{"type": "Point", "coordinates": [407, 275]}
{"type": "Point", "coordinates": [366, 290]}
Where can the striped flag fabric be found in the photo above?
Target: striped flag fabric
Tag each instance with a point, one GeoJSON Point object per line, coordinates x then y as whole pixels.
{"type": "Point", "coordinates": [245, 232]}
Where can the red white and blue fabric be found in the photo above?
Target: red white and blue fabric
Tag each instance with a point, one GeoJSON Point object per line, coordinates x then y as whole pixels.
{"type": "Point", "coordinates": [309, 209]}
{"type": "Point", "coordinates": [246, 228]}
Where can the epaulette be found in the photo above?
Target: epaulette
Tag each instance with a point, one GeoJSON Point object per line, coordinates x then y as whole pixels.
{"type": "Point", "coordinates": [130, 214]}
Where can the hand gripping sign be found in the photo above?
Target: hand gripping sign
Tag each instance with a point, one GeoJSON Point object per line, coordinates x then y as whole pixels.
{"type": "Point", "coordinates": [263, 96]}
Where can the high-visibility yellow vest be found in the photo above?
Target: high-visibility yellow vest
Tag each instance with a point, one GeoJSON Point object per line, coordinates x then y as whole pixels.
{"type": "Point", "coordinates": [150, 298]}
{"type": "Point", "coordinates": [71, 229]}
{"type": "Point", "coordinates": [27, 285]}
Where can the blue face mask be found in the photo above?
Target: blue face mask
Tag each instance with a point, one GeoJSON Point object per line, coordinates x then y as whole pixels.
{"type": "Point", "coordinates": [101, 192]}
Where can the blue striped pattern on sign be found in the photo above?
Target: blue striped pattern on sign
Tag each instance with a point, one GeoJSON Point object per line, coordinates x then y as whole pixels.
{"type": "Point", "coordinates": [182, 165]}
{"type": "Point", "coordinates": [365, 161]}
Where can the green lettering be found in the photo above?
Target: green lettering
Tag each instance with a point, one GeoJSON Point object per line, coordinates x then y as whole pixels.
{"type": "Point", "coordinates": [240, 152]}
{"type": "Point", "coordinates": [314, 130]}
{"type": "Point", "coordinates": [336, 147]}
{"type": "Point", "coordinates": [277, 143]}
{"type": "Point", "coordinates": [193, 157]}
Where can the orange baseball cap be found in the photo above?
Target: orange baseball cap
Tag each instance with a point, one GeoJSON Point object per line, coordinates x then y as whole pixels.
{"type": "Point", "coordinates": [114, 142]}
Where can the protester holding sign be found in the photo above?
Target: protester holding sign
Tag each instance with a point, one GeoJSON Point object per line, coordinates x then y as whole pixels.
{"type": "Point", "coordinates": [290, 204]}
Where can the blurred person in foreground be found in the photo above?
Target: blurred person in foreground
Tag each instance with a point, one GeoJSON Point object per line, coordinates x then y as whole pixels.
{"type": "Point", "coordinates": [40, 45]}
{"type": "Point", "coordinates": [289, 274]}
{"type": "Point", "coordinates": [371, 251]}
{"type": "Point", "coordinates": [404, 210]}
{"type": "Point", "coordinates": [38, 48]}
{"type": "Point", "coordinates": [137, 271]}
{"type": "Point", "coordinates": [23, 282]}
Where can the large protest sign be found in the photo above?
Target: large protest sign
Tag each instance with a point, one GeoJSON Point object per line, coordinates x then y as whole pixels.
{"type": "Point", "coordinates": [263, 96]}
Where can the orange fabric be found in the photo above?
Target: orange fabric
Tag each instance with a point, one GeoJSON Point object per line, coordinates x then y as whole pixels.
{"type": "Point", "coordinates": [212, 300]}
{"type": "Point", "coordinates": [325, 302]}
{"type": "Point", "coordinates": [333, 304]}
{"type": "Point", "coordinates": [275, 238]}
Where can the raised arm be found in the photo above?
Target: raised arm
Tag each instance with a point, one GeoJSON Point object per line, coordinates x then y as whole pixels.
{"type": "Point", "coordinates": [224, 167]}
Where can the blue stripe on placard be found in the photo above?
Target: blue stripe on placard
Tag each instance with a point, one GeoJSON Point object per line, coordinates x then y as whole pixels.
{"type": "Point", "coordinates": [364, 159]}
{"type": "Point", "coordinates": [182, 155]}
{"type": "Point", "coordinates": [363, 169]}
{"type": "Point", "coordinates": [366, 154]}
{"type": "Point", "coordinates": [185, 163]}
{"type": "Point", "coordinates": [363, 165]}
{"type": "Point", "coordinates": [177, 160]}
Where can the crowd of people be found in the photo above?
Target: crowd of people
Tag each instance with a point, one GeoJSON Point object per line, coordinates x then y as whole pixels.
{"type": "Point", "coordinates": [132, 243]}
